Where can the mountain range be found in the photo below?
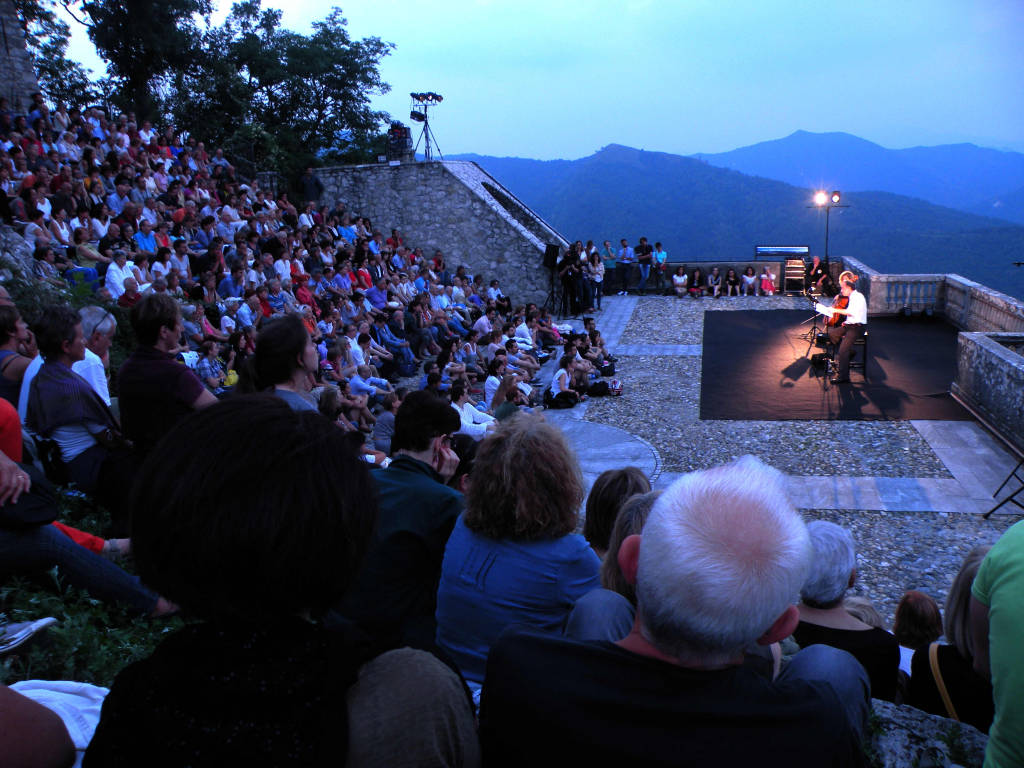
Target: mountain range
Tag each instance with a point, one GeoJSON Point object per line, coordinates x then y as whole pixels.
{"type": "Point", "coordinates": [988, 182]}
{"type": "Point", "coordinates": [702, 212]}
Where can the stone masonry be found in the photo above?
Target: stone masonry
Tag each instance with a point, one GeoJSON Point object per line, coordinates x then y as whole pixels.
{"type": "Point", "coordinates": [17, 75]}
{"type": "Point", "coordinates": [457, 207]}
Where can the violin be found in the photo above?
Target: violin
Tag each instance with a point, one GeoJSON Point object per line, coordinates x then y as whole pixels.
{"type": "Point", "coordinates": [841, 302]}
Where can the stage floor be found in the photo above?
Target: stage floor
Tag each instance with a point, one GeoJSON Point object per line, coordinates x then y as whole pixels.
{"type": "Point", "coordinates": [755, 366]}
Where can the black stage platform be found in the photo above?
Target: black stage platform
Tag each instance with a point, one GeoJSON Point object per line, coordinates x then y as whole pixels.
{"type": "Point", "coordinates": [756, 367]}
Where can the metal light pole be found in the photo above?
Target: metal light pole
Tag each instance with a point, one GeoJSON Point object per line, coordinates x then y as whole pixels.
{"type": "Point", "coordinates": [828, 202]}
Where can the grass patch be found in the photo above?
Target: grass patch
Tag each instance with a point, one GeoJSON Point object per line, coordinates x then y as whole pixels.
{"type": "Point", "coordinates": [92, 640]}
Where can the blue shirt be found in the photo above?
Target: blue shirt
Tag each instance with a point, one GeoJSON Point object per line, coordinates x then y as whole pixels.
{"type": "Point", "coordinates": [229, 287]}
{"type": "Point", "coordinates": [145, 242]}
{"type": "Point", "coordinates": [488, 585]}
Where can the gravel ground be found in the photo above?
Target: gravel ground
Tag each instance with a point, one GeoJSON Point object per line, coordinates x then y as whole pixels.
{"type": "Point", "coordinates": [667, 320]}
{"type": "Point", "coordinates": [897, 551]}
{"type": "Point", "coordinates": [667, 416]}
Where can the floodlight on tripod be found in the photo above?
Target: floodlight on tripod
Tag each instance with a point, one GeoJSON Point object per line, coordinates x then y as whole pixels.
{"type": "Point", "coordinates": [420, 113]}
{"type": "Point", "coordinates": [823, 199]}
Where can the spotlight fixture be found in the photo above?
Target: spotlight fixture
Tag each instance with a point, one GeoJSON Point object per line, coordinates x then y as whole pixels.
{"type": "Point", "coordinates": [835, 197]}
{"type": "Point", "coordinates": [820, 198]}
{"type": "Point", "coordinates": [419, 112]}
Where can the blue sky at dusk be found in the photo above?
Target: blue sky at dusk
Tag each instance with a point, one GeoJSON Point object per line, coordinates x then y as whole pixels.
{"type": "Point", "coordinates": [562, 79]}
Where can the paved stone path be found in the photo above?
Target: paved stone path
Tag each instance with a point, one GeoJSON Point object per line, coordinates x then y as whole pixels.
{"type": "Point", "coordinates": [977, 461]}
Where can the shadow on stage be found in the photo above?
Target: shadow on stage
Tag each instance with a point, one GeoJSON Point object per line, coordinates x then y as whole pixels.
{"type": "Point", "coordinates": [757, 365]}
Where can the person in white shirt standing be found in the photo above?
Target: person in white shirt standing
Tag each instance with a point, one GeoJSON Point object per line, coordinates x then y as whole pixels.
{"type": "Point", "coordinates": [847, 334]}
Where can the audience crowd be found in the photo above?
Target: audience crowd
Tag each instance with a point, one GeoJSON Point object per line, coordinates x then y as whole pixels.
{"type": "Point", "coordinates": [385, 568]}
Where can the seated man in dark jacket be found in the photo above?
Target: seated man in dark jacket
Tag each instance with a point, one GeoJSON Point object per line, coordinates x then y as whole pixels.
{"type": "Point", "coordinates": [395, 594]}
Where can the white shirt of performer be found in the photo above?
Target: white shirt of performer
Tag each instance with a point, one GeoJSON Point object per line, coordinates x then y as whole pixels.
{"type": "Point", "coordinates": [857, 309]}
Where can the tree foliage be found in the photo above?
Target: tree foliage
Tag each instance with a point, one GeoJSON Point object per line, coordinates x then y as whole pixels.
{"type": "Point", "coordinates": [61, 79]}
{"type": "Point", "coordinates": [143, 42]}
{"type": "Point", "coordinates": [277, 98]}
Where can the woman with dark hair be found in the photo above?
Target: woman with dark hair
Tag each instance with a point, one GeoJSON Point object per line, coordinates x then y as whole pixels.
{"type": "Point", "coordinates": [260, 680]}
{"type": "Point", "coordinates": [17, 349]}
{"type": "Point", "coordinates": [560, 393]}
{"type": "Point", "coordinates": [520, 515]}
{"type": "Point", "coordinates": [698, 283]}
{"type": "Point", "coordinates": [731, 284]}
{"type": "Point", "coordinates": [607, 613]}
{"type": "Point", "coordinates": [609, 492]}
{"type": "Point", "coordinates": [285, 363]}
{"type": "Point", "coordinates": [748, 282]}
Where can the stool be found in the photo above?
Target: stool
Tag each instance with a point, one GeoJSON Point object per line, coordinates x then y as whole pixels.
{"type": "Point", "coordinates": [858, 360]}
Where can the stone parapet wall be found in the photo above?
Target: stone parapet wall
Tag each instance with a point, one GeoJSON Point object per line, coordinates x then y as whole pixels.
{"type": "Point", "coordinates": [458, 208]}
{"type": "Point", "coordinates": [990, 380]}
{"type": "Point", "coordinates": [970, 306]}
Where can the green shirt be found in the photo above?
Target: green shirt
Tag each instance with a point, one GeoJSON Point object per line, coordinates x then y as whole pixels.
{"type": "Point", "coordinates": [1000, 585]}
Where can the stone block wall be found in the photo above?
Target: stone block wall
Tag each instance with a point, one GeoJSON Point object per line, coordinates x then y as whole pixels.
{"type": "Point", "coordinates": [968, 305]}
{"type": "Point", "coordinates": [990, 380]}
{"type": "Point", "coordinates": [17, 75]}
{"type": "Point", "coordinates": [454, 206]}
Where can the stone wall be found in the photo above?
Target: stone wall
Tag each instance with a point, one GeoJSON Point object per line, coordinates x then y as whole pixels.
{"type": "Point", "coordinates": [458, 208]}
{"type": "Point", "coordinates": [968, 305]}
{"type": "Point", "coordinates": [990, 380]}
{"type": "Point", "coordinates": [17, 75]}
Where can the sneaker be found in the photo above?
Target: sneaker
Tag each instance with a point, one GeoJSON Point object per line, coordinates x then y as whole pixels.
{"type": "Point", "coordinates": [15, 635]}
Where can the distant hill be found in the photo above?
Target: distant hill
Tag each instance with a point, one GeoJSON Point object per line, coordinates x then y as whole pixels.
{"type": "Point", "coordinates": [701, 212]}
{"type": "Point", "coordinates": [962, 176]}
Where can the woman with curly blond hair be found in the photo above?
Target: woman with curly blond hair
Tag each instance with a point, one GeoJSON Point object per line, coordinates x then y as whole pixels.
{"type": "Point", "coordinates": [513, 556]}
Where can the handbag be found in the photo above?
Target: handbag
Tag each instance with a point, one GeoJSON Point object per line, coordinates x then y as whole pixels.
{"type": "Point", "coordinates": [933, 660]}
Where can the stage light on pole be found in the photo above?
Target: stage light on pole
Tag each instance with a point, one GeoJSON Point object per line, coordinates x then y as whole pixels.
{"type": "Point", "coordinates": [824, 200]}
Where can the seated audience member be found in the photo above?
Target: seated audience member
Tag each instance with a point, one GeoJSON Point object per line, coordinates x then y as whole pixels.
{"type": "Point", "coordinates": [395, 594]}
{"type": "Point", "coordinates": [33, 735]}
{"type": "Point", "coordinates": [824, 620]}
{"type": "Point", "coordinates": [30, 544]}
{"type": "Point", "coordinates": [717, 567]}
{"type": "Point", "coordinates": [155, 390]}
{"type": "Point", "coordinates": [260, 680]}
{"type": "Point", "coordinates": [608, 613]}
{"type": "Point", "coordinates": [98, 327]}
{"type": "Point", "coordinates": [520, 520]}
{"type": "Point", "coordinates": [731, 284]}
{"type": "Point", "coordinates": [560, 393]}
{"type": "Point", "coordinates": [997, 629]}
{"type": "Point", "coordinates": [384, 426]}
{"type": "Point", "coordinates": [967, 695]}
{"type": "Point", "coordinates": [63, 407]}
{"type": "Point", "coordinates": [609, 492]}
{"type": "Point", "coordinates": [917, 625]}
{"type": "Point", "coordinates": [864, 610]}
{"type": "Point", "coordinates": [698, 283]}
{"type": "Point", "coordinates": [715, 283]}
{"type": "Point", "coordinates": [679, 281]}
{"type": "Point", "coordinates": [748, 282]}
{"type": "Point", "coordinates": [508, 399]}
{"type": "Point", "coordinates": [284, 364]}
{"type": "Point", "coordinates": [17, 350]}
{"type": "Point", "coordinates": [475, 423]}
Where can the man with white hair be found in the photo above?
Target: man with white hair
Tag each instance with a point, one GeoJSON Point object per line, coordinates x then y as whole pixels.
{"type": "Point", "coordinates": [720, 562]}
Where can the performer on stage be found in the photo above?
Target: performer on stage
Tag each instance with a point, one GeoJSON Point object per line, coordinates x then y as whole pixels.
{"type": "Point", "coordinates": [845, 335]}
